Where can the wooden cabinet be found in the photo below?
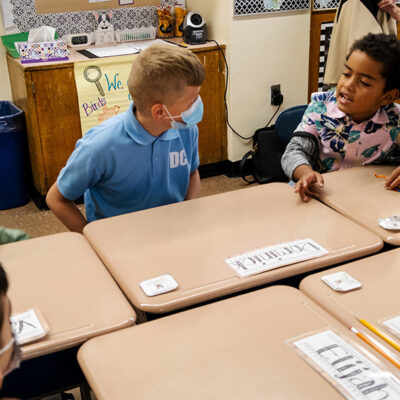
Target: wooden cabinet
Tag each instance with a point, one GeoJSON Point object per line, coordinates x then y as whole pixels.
{"type": "Point", "coordinates": [48, 96]}
{"type": "Point", "coordinates": [212, 136]}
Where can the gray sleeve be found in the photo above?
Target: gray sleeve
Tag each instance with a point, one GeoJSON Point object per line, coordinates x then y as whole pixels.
{"type": "Point", "coordinates": [300, 150]}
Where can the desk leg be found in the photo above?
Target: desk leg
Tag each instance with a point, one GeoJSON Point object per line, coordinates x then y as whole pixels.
{"type": "Point", "coordinates": [85, 391]}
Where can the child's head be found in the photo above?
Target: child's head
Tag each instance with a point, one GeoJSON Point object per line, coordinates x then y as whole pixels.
{"type": "Point", "coordinates": [371, 76]}
{"type": "Point", "coordinates": [161, 74]}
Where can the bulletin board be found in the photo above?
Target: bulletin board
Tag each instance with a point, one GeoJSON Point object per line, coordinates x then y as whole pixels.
{"type": "Point", "coordinates": [51, 6]}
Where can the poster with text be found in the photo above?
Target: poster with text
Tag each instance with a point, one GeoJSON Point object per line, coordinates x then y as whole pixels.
{"type": "Point", "coordinates": [102, 89]}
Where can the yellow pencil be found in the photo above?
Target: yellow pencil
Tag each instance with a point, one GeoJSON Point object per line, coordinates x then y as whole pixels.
{"type": "Point", "coordinates": [375, 346]}
{"type": "Point", "coordinates": [382, 335]}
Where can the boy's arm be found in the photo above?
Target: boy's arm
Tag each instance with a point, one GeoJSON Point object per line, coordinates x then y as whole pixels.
{"type": "Point", "coordinates": [65, 210]}
{"type": "Point", "coordinates": [301, 150]}
{"type": "Point", "coordinates": [297, 165]}
{"type": "Point", "coordinates": [193, 191]}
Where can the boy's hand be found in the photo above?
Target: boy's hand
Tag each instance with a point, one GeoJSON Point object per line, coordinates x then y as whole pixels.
{"type": "Point", "coordinates": [307, 178]}
{"type": "Point", "coordinates": [393, 181]}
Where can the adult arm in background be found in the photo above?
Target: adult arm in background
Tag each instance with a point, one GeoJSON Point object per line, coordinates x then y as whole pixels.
{"type": "Point", "coordinates": [391, 8]}
{"type": "Point", "coordinates": [65, 210]}
{"type": "Point", "coordinates": [297, 165]}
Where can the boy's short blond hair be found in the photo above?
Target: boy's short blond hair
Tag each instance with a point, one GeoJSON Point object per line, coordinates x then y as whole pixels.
{"type": "Point", "coordinates": [160, 73]}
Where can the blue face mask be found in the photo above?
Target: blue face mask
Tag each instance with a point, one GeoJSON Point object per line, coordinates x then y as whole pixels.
{"type": "Point", "coordinates": [190, 117]}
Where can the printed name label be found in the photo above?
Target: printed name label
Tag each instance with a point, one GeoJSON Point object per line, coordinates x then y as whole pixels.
{"type": "Point", "coordinates": [350, 372]}
{"type": "Point", "coordinates": [271, 257]}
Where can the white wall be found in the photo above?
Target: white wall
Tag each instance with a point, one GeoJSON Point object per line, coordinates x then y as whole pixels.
{"type": "Point", "coordinates": [5, 90]}
{"type": "Point", "coordinates": [261, 51]}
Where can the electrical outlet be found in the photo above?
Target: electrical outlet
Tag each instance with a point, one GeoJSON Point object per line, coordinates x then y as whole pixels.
{"type": "Point", "coordinates": [275, 89]}
{"type": "Point", "coordinates": [276, 95]}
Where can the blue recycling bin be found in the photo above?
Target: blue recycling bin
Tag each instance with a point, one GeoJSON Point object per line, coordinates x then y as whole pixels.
{"type": "Point", "coordinates": [13, 157]}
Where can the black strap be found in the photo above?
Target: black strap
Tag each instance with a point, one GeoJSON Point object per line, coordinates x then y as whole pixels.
{"type": "Point", "coordinates": [242, 162]}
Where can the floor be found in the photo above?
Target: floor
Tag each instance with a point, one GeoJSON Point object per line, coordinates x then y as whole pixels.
{"type": "Point", "coordinates": [38, 223]}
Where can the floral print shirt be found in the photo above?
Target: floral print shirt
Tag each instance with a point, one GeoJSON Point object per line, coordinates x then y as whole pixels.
{"type": "Point", "coordinates": [344, 143]}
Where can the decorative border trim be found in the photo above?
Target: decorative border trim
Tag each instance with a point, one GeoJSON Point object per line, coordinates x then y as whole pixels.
{"type": "Point", "coordinates": [324, 42]}
{"type": "Point", "coordinates": [243, 8]}
{"type": "Point", "coordinates": [26, 18]}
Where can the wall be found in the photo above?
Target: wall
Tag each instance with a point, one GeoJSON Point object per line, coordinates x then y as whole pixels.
{"type": "Point", "coordinates": [5, 90]}
{"type": "Point", "coordinates": [261, 51]}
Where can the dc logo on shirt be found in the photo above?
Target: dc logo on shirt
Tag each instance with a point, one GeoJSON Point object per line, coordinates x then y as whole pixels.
{"type": "Point", "coordinates": [177, 159]}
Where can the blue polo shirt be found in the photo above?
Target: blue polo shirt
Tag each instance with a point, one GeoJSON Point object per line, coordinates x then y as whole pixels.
{"type": "Point", "coordinates": [121, 168]}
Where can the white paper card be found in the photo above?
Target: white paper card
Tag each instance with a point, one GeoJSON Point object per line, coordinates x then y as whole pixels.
{"type": "Point", "coordinates": [161, 284]}
{"type": "Point", "coordinates": [275, 256]}
{"type": "Point", "coordinates": [352, 373]}
{"type": "Point", "coordinates": [120, 50]}
{"type": "Point", "coordinates": [393, 324]}
{"type": "Point", "coordinates": [26, 325]}
{"type": "Point", "coordinates": [341, 281]}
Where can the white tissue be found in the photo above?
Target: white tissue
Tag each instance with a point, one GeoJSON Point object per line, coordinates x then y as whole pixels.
{"type": "Point", "coordinates": [42, 34]}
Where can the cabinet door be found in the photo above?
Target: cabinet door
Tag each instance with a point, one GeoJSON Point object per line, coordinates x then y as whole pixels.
{"type": "Point", "coordinates": [212, 129]}
{"type": "Point", "coordinates": [57, 117]}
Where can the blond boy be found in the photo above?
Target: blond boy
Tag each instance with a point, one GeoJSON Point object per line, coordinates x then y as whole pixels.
{"type": "Point", "coordinates": [145, 157]}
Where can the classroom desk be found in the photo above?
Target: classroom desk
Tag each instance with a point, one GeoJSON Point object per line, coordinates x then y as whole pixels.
{"type": "Point", "coordinates": [191, 240]}
{"type": "Point", "coordinates": [232, 349]}
{"type": "Point", "coordinates": [62, 276]}
{"type": "Point", "coordinates": [360, 196]}
{"type": "Point", "coordinates": [375, 301]}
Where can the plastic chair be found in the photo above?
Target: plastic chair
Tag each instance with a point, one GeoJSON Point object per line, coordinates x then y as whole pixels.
{"type": "Point", "coordinates": [287, 122]}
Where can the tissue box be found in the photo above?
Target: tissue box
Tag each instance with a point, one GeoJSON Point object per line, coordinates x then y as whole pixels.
{"type": "Point", "coordinates": [55, 50]}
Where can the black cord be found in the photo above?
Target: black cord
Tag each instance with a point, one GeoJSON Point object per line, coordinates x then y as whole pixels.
{"type": "Point", "coordinates": [226, 105]}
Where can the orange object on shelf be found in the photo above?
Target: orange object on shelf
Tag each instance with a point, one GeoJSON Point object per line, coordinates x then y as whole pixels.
{"type": "Point", "coordinates": [179, 18]}
{"type": "Point", "coordinates": [165, 23]}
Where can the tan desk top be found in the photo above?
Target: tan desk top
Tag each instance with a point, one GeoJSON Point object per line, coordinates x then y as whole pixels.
{"type": "Point", "coordinates": [192, 239]}
{"type": "Point", "coordinates": [377, 299]}
{"type": "Point", "coordinates": [62, 276]}
{"type": "Point", "coordinates": [360, 196]}
{"type": "Point", "coordinates": [74, 56]}
{"type": "Point", "coordinates": [232, 349]}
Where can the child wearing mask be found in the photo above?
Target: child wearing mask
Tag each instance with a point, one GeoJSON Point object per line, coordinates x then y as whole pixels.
{"type": "Point", "coordinates": [145, 157]}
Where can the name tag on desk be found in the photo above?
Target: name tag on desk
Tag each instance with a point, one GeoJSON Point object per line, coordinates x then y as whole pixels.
{"type": "Point", "coordinates": [161, 284]}
{"type": "Point", "coordinates": [341, 281]}
{"type": "Point", "coordinates": [29, 326]}
{"type": "Point", "coordinates": [279, 255]}
{"type": "Point", "coordinates": [348, 370]}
